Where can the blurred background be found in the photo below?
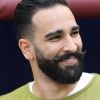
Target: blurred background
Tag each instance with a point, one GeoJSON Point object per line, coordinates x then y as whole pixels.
{"type": "Point", "coordinates": [14, 68]}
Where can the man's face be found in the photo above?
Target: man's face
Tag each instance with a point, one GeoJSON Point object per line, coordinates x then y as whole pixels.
{"type": "Point", "coordinates": [58, 44]}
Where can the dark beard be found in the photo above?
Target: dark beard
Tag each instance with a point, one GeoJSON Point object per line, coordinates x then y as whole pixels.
{"type": "Point", "coordinates": [65, 75]}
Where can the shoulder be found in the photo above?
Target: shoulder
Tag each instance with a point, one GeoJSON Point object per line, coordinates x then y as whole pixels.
{"type": "Point", "coordinates": [16, 94]}
{"type": "Point", "coordinates": [97, 78]}
{"type": "Point", "coordinates": [94, 84]}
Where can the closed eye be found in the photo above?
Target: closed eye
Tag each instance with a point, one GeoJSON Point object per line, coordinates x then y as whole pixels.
{"type": "Point", "coordinates": [75, 33]}
{"type": "Point", "coordinates": [55, 38]}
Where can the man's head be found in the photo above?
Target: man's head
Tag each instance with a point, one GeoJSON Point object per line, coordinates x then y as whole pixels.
{"type": "Point", "coordinates": [49, 36]}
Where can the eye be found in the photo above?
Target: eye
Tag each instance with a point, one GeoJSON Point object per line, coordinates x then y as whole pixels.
{"type": "Point", "coordinates": [74, 33]}
{"type": "Point", "coordinates": [55, 38]}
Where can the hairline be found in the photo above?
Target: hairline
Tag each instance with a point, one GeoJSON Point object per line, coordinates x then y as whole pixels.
{"type": "Point", "coordinates": [39, 10]}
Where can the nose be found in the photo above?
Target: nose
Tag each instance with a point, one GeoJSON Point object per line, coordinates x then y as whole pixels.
{"type": "Point", "coordinates": [70, 45]}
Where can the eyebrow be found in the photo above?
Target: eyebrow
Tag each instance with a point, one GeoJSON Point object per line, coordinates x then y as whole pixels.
{"type": "Point", "coordinates": [60, 31]}
{"type": "Point", "coordinates": [57, 32]}
{"type": "Point", "coordinates": [75, 28]}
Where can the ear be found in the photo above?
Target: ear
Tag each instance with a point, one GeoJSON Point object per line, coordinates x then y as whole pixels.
{"type": "Point", "coordinates": [26, 48]}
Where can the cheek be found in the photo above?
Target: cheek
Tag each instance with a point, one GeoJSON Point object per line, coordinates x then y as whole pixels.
{"type": "Point", "coordinates": [79, 43]}
{"type": "Point", "coordinates": [52, 49]}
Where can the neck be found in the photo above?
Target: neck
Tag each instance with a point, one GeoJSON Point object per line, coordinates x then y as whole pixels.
{"type": "Point", "coordinates": [49, 89]}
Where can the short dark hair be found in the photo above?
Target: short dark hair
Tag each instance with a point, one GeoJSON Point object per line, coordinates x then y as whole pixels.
{"type": "Point", "coordinates": [24, 12]}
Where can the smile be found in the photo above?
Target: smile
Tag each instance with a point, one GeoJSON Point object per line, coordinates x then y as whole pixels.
{"type": "Point", "coordinates": [70, 61]}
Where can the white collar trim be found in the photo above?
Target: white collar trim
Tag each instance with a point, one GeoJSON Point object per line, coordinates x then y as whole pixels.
{"type": "Point", "coordinates": [84, 80]}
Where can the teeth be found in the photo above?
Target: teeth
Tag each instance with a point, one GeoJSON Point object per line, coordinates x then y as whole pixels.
{"type": "Point", "coordinates": [71, 60]}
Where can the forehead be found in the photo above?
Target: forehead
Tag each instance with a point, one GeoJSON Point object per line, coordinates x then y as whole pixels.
{"type": "Point", "coordinates": [49, 19]}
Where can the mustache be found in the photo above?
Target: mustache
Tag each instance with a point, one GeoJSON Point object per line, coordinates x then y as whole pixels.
{"type": "Point", "coordinates": [78, 55]}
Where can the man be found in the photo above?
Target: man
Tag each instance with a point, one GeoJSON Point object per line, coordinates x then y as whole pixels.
{"type": "Point", "coordinates": [49, 38]}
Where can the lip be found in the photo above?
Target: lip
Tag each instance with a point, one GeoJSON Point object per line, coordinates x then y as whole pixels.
{"type": "Point", "coordinates": [70, 61]}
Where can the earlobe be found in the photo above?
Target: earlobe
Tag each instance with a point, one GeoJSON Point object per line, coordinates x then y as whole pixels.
{"type": "Point", "coordinates": [26, 48]}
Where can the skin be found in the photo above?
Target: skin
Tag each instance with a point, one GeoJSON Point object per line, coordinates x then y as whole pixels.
{"type": "Point", "coordinates": [51, 42]}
